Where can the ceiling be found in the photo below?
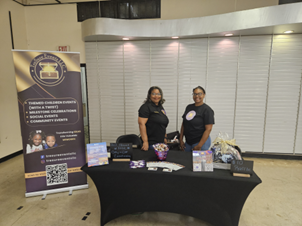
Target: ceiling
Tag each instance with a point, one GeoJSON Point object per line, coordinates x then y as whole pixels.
{"type": "Point", "coordinates": [50, 2]}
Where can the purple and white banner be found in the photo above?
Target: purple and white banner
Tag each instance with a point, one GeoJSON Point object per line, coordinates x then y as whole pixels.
{"type": "Point", "coordinates": [51, 117]}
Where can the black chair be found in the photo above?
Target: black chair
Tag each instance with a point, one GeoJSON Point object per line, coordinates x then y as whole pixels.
{"type": "Point", "coordinates": [173, 146]}
{"type": "Point", "coordinates": [170, 136]}
{"type": "Point", "coordinates": [130, 138]}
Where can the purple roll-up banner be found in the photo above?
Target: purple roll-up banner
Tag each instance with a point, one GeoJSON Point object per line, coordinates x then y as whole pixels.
{"type": "Point", "coordinates": [51, 118]}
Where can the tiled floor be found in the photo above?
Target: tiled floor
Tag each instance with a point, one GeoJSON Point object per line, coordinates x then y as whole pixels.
{"type": "Point", "coordinates": [275, 202]}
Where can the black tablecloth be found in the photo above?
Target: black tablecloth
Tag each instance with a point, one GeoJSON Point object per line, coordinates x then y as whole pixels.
{"type": "Point", "coordinates": [215, 197]}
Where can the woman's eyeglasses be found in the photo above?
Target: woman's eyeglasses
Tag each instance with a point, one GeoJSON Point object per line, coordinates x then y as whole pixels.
{"type": "Point", "coordinates": [156, 94]}
{"type": "Point", "coordinates": [197, 94]}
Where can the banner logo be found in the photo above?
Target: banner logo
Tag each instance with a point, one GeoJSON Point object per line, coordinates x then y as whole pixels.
{"type": "Point", "coordinates": [48, 69]}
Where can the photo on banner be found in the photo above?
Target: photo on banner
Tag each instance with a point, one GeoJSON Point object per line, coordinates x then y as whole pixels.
{"type": "Point", "coordinates": [51, 118]}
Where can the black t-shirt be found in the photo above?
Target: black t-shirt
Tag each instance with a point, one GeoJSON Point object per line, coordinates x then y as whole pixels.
{"type": "Point", "coordinates": [157, 121]}
{"type": "Point", "coordinates": [194, 120]}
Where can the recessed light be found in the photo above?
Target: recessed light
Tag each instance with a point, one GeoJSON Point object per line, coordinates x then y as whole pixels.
{"type": "Point", "coordinates": [228, 34]}
{"type": "Point", "coordinates": [175, 37]}
{"type": "Point", "coordinates": [287, 32]}
{"type": "Point", "coordinates": [125, 38]}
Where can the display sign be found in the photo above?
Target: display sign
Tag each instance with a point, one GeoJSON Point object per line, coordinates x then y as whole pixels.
{"type": "Point", "coordinates": [97, 154]}
{"type": "Point", "coordinates": [242, 166]}
{"type": "Point", "coordinates": [63, 48]}
{"type": "Point", "coordinates": [202, 161]}
{"type": "Point", "coordinates": [121, 151]}
{"type": "Point", "coordinates": [51, 118]}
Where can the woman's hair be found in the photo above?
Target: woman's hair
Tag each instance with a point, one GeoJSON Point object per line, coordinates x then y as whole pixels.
{"type": "Point", "coordinates": [199, 87]}
{"type": "Point", "coordinates": [148, 99]}
{"type": "Point", "coordinates": [34, 133]}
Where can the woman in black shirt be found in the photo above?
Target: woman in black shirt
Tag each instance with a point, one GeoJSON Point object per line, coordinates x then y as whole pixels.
{"type": "Point", "coordinates": [152, 119]}
{"type": "Point", "coordinates": [198, 120]}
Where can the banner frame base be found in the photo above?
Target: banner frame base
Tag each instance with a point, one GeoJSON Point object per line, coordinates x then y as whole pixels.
{"type": "Point", "coordinates": [37, 193]}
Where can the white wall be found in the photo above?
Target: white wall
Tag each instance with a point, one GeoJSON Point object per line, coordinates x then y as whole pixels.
{"type": "Point", "coordinates": [52, 26]}
{"type": "Point", "coordinates": [10, 134]}
{"type": "Point", "coordinates": [177, 9]}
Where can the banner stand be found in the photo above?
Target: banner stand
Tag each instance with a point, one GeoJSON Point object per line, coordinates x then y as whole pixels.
{"type": "Point", "coordinates": [51, 118]}
{"type": "Point", "coordinates": [47, 192]}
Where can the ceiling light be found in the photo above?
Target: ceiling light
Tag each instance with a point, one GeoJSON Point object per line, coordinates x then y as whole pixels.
{"type": "Point", "coordinates": [287, 32]}
{"type": "Point", "coordinates": [125, 38]}
{"type": "Point", "coordinates": [228, 34]}
{"type": "Point", "coordinates": [175, 37]}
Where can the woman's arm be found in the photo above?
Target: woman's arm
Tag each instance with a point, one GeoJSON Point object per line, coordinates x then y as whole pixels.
{"type": "Point", "coordinates": [181, 136]}
{"type": "Point", "coordinates": [143, 131]}
{"type": "Point", "coordinates": [166, 139]}
{"type": "Point", "coordinates": [204, 137]}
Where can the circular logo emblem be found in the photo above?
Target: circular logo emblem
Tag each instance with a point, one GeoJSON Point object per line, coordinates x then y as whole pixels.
{"type": "Point", "coordinates": [163, 111]}
{"type": "Point", "coordinates": [47, 69]}
{"type": "Point", "coordinates": [190, 115]}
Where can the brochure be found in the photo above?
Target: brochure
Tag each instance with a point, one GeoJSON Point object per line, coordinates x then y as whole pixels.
{"type": "Point", "coordinates": [202, 161]}
{"type": "Point", "coordinates": [97, 154]}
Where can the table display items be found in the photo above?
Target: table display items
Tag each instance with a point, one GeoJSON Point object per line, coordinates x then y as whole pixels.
{"type": "Point", "coordinates": [224, 151]}
{"type": "Point", "coordinates": [161, 151]}
{"type": "Point", "coordinates": [97, 154]}
{"type": "Point", "coordinates": [137, 164]}
{"type": "Point", "coordinates": [202, 161]}
{"type": "Point", "coordinates": [166, 165]}
{"type": "Point", "coordinates": [218, 196]}
{"type": "Point", "coordinates": [121, 152]}
{"type": "Point", "coordinates": [241, 168]}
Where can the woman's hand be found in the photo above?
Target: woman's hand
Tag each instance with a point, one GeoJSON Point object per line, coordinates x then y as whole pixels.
{"type": "Point", "coordinates": [145, 146]}
{"type": "Point", "coordinates": [165, 140]}
{"type": "Point", "coordinates": [197, 148]}
{"type": "Point", "coordinates": [182, 145]}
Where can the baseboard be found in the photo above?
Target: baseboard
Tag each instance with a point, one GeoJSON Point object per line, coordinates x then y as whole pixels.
{"type": "Point", "coordinates": [272, 156]}
{"type": "Point", "coordinates": [11, 156]}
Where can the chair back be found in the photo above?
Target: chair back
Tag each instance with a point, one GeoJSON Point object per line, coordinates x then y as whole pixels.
{"type": "Point", "coordinates": [130, 138]}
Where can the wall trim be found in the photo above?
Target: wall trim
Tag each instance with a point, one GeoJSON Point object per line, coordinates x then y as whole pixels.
{"type": "Point", "coordinates": [8, 157]}
{"type": "Point", "coordinates": [271, 156]}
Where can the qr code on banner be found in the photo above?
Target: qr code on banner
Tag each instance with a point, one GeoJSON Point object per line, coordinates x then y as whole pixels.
{"type": "Point", "coordinates": [56, 174]}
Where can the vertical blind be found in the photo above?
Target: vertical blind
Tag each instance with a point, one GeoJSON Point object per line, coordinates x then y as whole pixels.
{"type": "Point", "coordinates": [252, 83]}
{"type": "Point", "coordinates": [137, 81]}
{"type": "Point", "coordinates": [283, 94]}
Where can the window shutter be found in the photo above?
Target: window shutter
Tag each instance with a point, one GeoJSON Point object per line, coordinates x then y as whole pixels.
{"type": "Point", "coordinates": [192, 69]}
{"type": "Point", "coordinates": [283, 94]}
{"type": "Point", "coordinates": [252, 92]}
{"type": "Point", "coordinates": [137, 81]}
{"type": "Point", "coordinates": [221, 85]}
{"type": "Point", "coordinates": [110, 62]}
{"type": "Point", "coordinates": [164, 57]}
{"type": "Point", "coordinates": [93, 92]}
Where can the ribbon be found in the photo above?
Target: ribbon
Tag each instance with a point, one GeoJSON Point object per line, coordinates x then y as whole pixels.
{"type": "Point", "coordinates": [224, 143]}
